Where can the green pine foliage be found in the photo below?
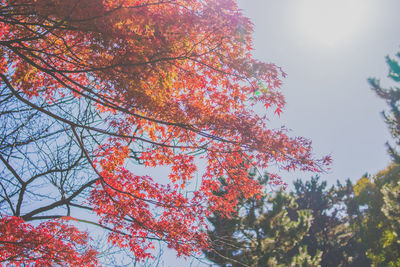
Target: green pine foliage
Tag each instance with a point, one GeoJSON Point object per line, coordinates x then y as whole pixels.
{"type": "Point", "coordinates": [392, 97]}
{"type": "Point", "coordinates": [264, 231]}
{"type": "Point", "coordinates": [381, 194]}
{"type": "Point", "coordinates": [330, 230]}
{"type": "Point", "coordinates": [379, 219]}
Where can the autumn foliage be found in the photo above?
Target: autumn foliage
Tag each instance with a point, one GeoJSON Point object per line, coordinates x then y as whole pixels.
{"type": "Point", "coordinates": [122, 82]}
{"type": "Point", "coordinates": [50, 243]}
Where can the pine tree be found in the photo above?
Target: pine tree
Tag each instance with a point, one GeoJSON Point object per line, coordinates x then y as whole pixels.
{"type": "Point", "coordinates": [381, 194]}
{"type": "Point", "coordinates": [392, 96]}
{"type": "Point", "coordinates": [262, 232]}
{"type": "Point", "coordinates": [330, 231]}
{"type": "Point", "coordinates": [378, 199]}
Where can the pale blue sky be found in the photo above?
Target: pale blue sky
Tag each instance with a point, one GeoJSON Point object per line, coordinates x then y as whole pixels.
{"type": "Point", "coordinates": [328, 97]}
{"type": "Point", "coordinates": [329, 49]}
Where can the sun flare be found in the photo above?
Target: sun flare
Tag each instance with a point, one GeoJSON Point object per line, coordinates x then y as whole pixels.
{"type": "Point", "coordinates": [330, 22]}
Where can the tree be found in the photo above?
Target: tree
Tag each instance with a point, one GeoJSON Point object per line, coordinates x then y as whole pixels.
{"type": "Point", "coordinates": [381, 193]}
{"type": "Point", "coordinates": [392, 97]}
{"type": "Point", "coordinates": [91, 88]}
{"type": "Point", "coordinates": [378, 199]}
{"type": "Point", "coordinates": [264, 231]}
{"type": "Point", "coordinates": [391, 210]}
{"type": "Point", "coordinates": [332, 229]}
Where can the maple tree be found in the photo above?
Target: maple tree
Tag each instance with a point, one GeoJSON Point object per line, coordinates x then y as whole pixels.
{"type": "Point", "coordinates": [89, 88]}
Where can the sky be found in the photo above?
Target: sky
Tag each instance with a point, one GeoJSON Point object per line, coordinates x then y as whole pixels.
{"type": "Point", "coordinates": [329, 48]}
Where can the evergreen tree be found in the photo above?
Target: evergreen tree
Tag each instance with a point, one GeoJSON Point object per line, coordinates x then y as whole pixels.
{"type": "Point", "coordinates": [378, 199]}
{"type": "Point", "coordinates": [330, 231]}
{"type": "Point", "coordinates": [381, 195]}
{"type": "Point", "coordinates": [262, 233]}
{"type": "Point", "coordinates": [392, 96]}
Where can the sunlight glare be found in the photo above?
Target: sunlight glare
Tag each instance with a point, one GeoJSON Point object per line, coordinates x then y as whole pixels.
{"type": "Point", "coordinates": [330, 22]}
